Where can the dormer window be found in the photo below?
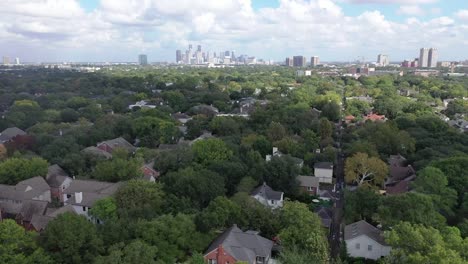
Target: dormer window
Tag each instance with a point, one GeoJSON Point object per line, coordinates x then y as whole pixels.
{"type": "Point", "coordinates": [260, 260]}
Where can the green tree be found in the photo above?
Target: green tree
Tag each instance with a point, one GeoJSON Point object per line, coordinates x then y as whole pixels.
{"type": "Point", "coordinates": [104, 209]}
{"type": "Point", "coordinates": [302, 230]}
{"type": "Point", "coordinates": [139, 199]}
{"type": "Point", "coordinates": [14, 170]}
{"type": "Point", "coordinates": [220, 213]}
{"type": "Point", "coordinates": [433, 182]}
{"type": "Point", "coordinates": [276, 131]}
{"type": "Point", "coordinates": [225, 126]}
{"type": "Point", "coordinates": [414, 244]}
{"type": "Point", "coordinates": [361, 204]}
{"type": "Point", "coordinates": [173, 236]}
{"type": "Point", "coordinates": [200, 186]}
{"type": "Point", "coordinates": [71, 238]}
{"type": "Point", "coordinates": [118, 169]}
{"type": "Point", "coordinates": [69, 115]}
{"type": "Point", "coordinates": [325, 128]}
{"type": "Point", "coordinates": [18, 246]}
{"type": "Point", "coordinates": [415, 208]}
{"type": "Point", "coordinates": [211, 150]}
{"type": "Point", "coordinates": [365, 170]}
{"type": "Point", "coordinates": [153, 131]}
{"type": "Point", "coordinates": [136, 251]}
{"type": "Point", "coordinates": [282, 174]}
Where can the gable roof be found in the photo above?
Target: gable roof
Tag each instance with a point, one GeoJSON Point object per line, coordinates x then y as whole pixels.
{"type": "Point", "coordinates": [10, 133]}
{"type": "Point", "coordinates": [363, 228]}
{"type": "Point", "coordinates": [32, 207]}
{"type": "Point", "coordinates": [24, 190]}
{"type": "Point", "coordinates": [267, 192]}
{"type": "Point", "coordinates": [397, 160]}
{"type": "Point", "coordinates": [91, 191]}
{"type": "Point", "coordinates": [39, 222]}
{"type": "Point", "coordinates": [97, 152]}
{"type": "Point", "coordinates": [56, 176]}
{"type": "Point", "coordinates": [325, 215]}
{"type": "Point", "coordinates": [323, 165]}
{"type": "Point", "coordinates": [119, 142]}
{"type": "Point", "coordinates": [243, 246]}
{"type": "Point", "coordinates": [308, 181]}
{"type": "Point", "coordinates": [400, 173]}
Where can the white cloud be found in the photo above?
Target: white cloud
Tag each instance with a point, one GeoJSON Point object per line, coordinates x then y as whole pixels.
{"type": "Point", "coordinates": [118, 29]}
{"type": "Point", "coordinates": [411, 10]}
{"type": "Point", "coordinates": [407, 2]}
{"type": "Point", "coordinates": [462, 14]}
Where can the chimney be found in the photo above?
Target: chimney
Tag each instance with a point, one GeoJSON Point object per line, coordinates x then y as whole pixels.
{"type": "Point", "coordinates": [78, 197]}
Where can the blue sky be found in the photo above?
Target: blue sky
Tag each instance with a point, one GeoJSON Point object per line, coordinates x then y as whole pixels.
{"type": "Point", "coordinates": [335, 30]}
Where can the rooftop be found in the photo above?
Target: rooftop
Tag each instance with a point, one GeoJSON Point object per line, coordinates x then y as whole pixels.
{"type": "Point", "coordinates": [363, 228]}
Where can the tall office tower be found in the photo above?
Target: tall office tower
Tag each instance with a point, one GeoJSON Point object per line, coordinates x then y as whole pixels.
{"type": "Point", "coordinates": [433, 57]}
{"type": "Point", "coordinates": [189, 56]}
{"type": "Point", "coordinates": [17, 61]}
{"type": "Point", "coordinates": [233, 55]}
{"type": "Point", "coordinates": [214, 55]}
{"type": "Point", "coordinates": [178, 55]}
{"type": "Point", "coordinates": [314, 61]}
{"type": "Point", "coordinates": [227, 53]}
{"type": "Point", "coordinates": [190, 46]}
{"type": "Point", "coordinates": [6, 60]}
{"type": "Point", "coordinates": [424, 58]}
{"type": "Point", "coordinates": [142, 59]}
{"type": "Point", "coordinates": [299, 61]}
{"type": "Point", "coordinates": [382, 60]}
{"type": "Point", "coordinates": [289, 62]}
{"type": "Point", "coordinates": [199, 48]}
{"type": "Point", "coordinates": [199, 57]}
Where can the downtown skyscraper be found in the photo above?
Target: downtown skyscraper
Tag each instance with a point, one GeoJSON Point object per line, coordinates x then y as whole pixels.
{"type": "Point", "coordinates": [428, 58]}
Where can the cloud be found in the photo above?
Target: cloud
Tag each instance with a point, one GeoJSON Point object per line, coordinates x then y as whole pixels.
{"type": "Point", "coordinates": [407, 2]}
{"type": "Point", "coordinates": [118, 29]}
{"type": "Point", "coordinates": [462, 14]}
{"type": "Point", "coordinates": [411, 10]}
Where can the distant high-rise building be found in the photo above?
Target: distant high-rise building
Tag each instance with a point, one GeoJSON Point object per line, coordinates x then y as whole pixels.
{"type": "Point", "coordinates": [433, 57]}
{"type": "Point", "coordinates": [199, 48]}
{"type": "Point", "coordinates": [6, 60]}
{"type": "Point", "coordinates": [178, 56]}
{"type": "Point", "coordinates": [227, 53]}
{"type": "Point", "coordinates": [17, 61]}
{"type": "Point", "coordinates": [314, 61]}
{"type": "Point", "coordinates": [382, 60]}
{"type": "Point", "coordinates": [289, 62]}
{"type": "Point", "coordinates": [142, 59]}
{"type": "Point", "coordinates": [299, 61]}
{"type": "Point", "coordinates": [424, 58]}
{"type": "Point", "coordinates": [190, 46]}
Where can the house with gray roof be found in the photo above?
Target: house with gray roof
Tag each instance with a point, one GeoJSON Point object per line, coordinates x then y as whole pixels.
{"type": "Point", "coordinates": [309, 184]}
{"type": "Point", "coordinates": [94, 151]}
{"type": "Point", "coordinates": [10, 133]}
{"type": "Point", "coordinates": [58, 180]}
{"type": "Point", "coordinates": [29, 209]}
{"type": "Point", "coordinates": [363, 240]}
{"type": "Point", "coordinates": [324, 171]}
{"type": "Point", "coordinates": [267, 196]}
{"type": "Point", "coordinates": [120, 142]}
{"type": "Point", "coordinates": [12, 197]}
{"type": "Point", "coordinates": [82, 194]}
{"type": "Point", "coordinates": [234, 246]}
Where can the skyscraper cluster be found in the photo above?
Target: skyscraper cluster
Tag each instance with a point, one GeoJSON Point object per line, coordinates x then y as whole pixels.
{"type": "Point", "coordinates": [6, 61]}
{"type": "Point", "coordinates": [301, 61]}
{"type": "Point", "coordinates": [198, 56]}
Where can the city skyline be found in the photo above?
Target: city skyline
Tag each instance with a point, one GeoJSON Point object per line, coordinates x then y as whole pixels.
{"type": "Point", "coordinates": [343, 30]}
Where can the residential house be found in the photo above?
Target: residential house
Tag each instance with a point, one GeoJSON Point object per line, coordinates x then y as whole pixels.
{"type": "Point", "coordinates": [234, 246]}
{"type": "Point", "coordinates": [276, 153]}
{"type": "Point", "coordinates": [149, 173]}
{"type": "Point", "coordinates": [249, 104]}
{"type": "Point", "coordinates": [58, 181]}
{"type": "Point", "coordinates": [375, 117]}
{"type": "Point", "coordinates": [399, 170]}
{"type": "Point", "coordinates": [10, 133]}
{"type": "Point", "coordinates": [349, 119]}
{"type": "Point", "coordinates": [324, 171]}
{"type": "Point", "coordinates": [109, 145]}
{"type": "Point", "coordinates": [267, 196]}
{"type": "Point", "coordinates": [181, 117]}
{"type": "Point", "coordinates": [366, 99]}
{"type": "Point", "coordinates": [82, 194]}
{"type": "Point", "coordinates": [141, 104]}
{"type": "Point", "coordinates": [309, 184]}
{"type": "Point", "coordinates": [365, 241]}
{"type": "Point", "coordinates": [325, 215]}
{"type": "Point", "coordinates": [94, 151]}
{"type": "Point", "coordinates": [205, 135]}
{"type": "Point", "coordinates": [203, 109]}
{"type": "Point", "coordinates": [12, 197]}
{"type": "Point", "coordinates": [28, 209]}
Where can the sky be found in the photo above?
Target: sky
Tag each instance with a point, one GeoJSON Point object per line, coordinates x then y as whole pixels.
{"type": "Point", "coordinates": [334, 30]}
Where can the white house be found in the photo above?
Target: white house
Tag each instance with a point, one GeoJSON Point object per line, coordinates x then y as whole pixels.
{"type": "Point", "coordinates": [324, 171]}
{"type": "Point", "coordinates": [267, 196]}
{"type": "Point", "coordinates": [141, 104]}
{"type": "Point", "coordinates": [365, 241]}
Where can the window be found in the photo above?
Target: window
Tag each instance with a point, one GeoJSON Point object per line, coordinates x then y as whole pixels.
{"type": "Point", "coordinates": [272, 201]}
{"type": "Point", "coordinates": [369, 247]}
{"type": "Point", "coordinates": [212, 261]}
{"type": "Point", "coordinates": [260, 260]}
{"type": "Point", "coordinates": [310, 189]}
{"type": "Point", "coordinates": [84, 208]}
{"type": "Point", "coordinates": [358, 246]}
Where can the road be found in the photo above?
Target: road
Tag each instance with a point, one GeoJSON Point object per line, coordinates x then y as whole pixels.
{"type": "Point", "coordinates": [338, 211]}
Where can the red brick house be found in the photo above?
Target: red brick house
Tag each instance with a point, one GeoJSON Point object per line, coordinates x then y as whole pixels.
{"type": "Point", "coordinates": [309, 184]}
{"type": "Point", "coordinates": [234, 245]}
{"type": "Point", "coordinates": [149, 173]}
